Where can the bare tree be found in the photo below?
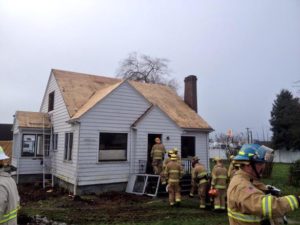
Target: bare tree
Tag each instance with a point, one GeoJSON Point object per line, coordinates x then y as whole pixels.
{"type": "Point", "coordinates": [146, 69]}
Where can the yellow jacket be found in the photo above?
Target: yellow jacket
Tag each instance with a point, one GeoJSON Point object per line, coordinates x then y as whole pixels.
{"type": "Point", "coordinates": [199, 174]}
{"type": "Point", "coordinates": [173, 172]}
{"type": "Point", "coordinates": [158, 151]}
{"type": "Point", "coordinates": [248, 205]}
{"type": "Point", "coordinates": [219, 177]}
{"type": "Point", "coordinates": [9, 199]}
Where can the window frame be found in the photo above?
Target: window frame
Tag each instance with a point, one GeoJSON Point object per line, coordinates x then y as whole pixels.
{"type": "Point", "coordinates": [54, 141]}
{"type": "Point", "coordinates": [116, 159]}
{"type": "Point", "coordinates": [68, 147]}
{"type": "Point", "coordinates": [184, 153]}
{"type": "Point", "coordinates": [35, 145]}
{"type": "Point", "coordinates": [51, 98]}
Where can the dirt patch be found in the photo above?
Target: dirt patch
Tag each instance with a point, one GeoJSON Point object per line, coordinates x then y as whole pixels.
{"type": "Point", "coordinates": [58, 205]}
{"type": "Point", "coordinates": [34, 192]}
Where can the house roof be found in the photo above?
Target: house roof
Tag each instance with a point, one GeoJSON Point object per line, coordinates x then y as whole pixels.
{"type": "Point", "coordinates": [78, 88]}
{"type": "Point", "coordinates": [32, 119]}
{"type": "Point", "coordinates": [170, 103]}
{"type": "Point", "coordinates": [82, 91]}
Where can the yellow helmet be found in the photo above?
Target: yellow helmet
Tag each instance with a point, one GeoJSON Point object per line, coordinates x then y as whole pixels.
{"type": "Point", "coordinates": [170, 152]}
{"type": "Point", "coordinates": [217, 159]}
{"type": "Point", "coordinates": [173, 157]}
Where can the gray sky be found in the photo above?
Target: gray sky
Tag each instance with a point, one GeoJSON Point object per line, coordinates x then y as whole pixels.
{"type": "Point", "coordinates": [243, 51]}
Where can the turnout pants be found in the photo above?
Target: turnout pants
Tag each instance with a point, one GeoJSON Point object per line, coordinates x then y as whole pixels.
{"type": "Point", "coordinates": [174, 193]}
{"type": "Point", "coordinates": [202, 194]}
{"type": "Point", "coordinates": [157, 166]}
{"type": "Point", "coordinates": [219, 201]}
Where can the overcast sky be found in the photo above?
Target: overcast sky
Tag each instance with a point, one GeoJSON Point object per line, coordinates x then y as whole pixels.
{"type": "Point", "coordinates": [242, 51]}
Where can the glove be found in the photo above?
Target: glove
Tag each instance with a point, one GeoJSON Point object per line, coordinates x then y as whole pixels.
{"type": "Point", "coordinates": [273, 190]}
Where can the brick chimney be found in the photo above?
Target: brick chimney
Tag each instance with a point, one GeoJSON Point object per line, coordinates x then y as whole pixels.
{"type": "Point", "coordinates": [190, 91]}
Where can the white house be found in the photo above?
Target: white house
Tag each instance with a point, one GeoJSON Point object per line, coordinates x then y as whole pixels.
{"type": "Point", "coordinates": [93, 132]}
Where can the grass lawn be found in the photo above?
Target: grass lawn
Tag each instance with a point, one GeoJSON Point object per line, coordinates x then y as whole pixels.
{"type": "Point", "coordinates": [128, 209]}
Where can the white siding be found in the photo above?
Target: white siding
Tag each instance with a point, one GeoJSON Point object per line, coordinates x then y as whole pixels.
{"type": "Point", "coordinates": [30, 166]}
{"type": "Point", "coordinates": [156, 122]}
{"type": "Point", "coordinates": [115, 113]}
{"type": "Point", "coordinates": [65, 170]}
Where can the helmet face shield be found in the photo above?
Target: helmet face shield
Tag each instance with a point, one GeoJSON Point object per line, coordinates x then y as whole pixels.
{"type": "Point", "coordinates": [267, 152]}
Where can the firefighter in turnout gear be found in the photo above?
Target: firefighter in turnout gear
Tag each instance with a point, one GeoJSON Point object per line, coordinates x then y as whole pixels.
{"type": "Point", "coordinates": [219, 182]}
{"type": "Point", "coordinates": [166, 161]}
{"type": "Point", "coordinates": [247, 198]}
{"type": "Point", "coordinates": [200, 177]}
{"type": "Point", "coordinates": [175, 151]}
{"type": "Point", "coordinates": [232, 167]}
{"type": "Point", "coordinates": [157, 154]}
{"type": "Point", "coordinates": [9, 196]}
{"type": "Point", "coordinates": [194, 186]}
{"type": "Point", "coordinates": [173, 173]}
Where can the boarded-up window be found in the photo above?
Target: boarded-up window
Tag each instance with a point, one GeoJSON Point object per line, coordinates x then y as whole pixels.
{"type": "Point", "coordinates": [68, 146]}
{"type": "Point", "coordinates": [113, 147]}
{"type": "Point", "coordinates": [51, 101]}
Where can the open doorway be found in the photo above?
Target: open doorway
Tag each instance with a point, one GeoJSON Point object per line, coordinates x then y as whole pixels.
{"type": "Point", "coordinates": [187, 146]}
{"type": "Point", "coordinates": [151, 142]}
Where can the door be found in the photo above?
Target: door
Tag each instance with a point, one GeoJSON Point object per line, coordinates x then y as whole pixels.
{"type": "Point", "coordinates": [151, 142]}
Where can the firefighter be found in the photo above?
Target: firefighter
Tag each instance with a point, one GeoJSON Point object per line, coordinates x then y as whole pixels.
{"type": "Point", "coordinates": [194, 162]}
{"type": "Point", "coordinates": [173, 174]}
{"type": "Point", "coordinates": [175, 151]}
{"type": "Point", "coordinates": [219, 182]}
{"type": "Point", "coordinates": [162, 175]}
{"type": "Point", "coordinates": [247, 200]}
{"type": "Point", "coordinates": [157, 154]}
{"type": "Point", "coordinates": [201, 180]}
{"type": "Point", "coordinates": [233, 167]}
{"type": "Point", "coordinates": [9, 196]}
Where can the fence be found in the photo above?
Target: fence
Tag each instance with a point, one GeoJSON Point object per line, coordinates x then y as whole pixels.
{"type": "Point", "coordinates": [281, 156]}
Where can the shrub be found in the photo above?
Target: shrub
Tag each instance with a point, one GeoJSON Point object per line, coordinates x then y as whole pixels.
{"type": "Point", "coordinates": [294, 177]}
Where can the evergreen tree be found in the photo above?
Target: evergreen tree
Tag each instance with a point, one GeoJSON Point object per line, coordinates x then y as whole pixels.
{"type": "Point", "coordinates": [285, 121]}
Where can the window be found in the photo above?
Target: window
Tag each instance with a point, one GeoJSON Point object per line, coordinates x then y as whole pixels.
{"type": "Point", "coordinates": [68, 146]}
{"type": "Point", "coordinates": [54, 141]}
{"type": "Point", "coordinates": [187, 146]}
{"type": "Point", "coordinates": [33, 145]}
{"type": "Point", "coordinates": [113, 147]}
{"type": "Point", "coordinates": [28, 147]}
{"type": "Point", "coordinates": [51, 101]}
